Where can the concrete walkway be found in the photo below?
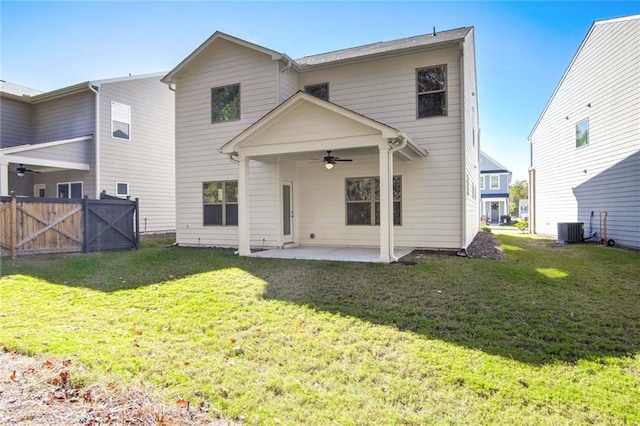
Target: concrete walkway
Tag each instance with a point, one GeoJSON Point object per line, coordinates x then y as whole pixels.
{"type": "Point", "coordinates": [340, 254]}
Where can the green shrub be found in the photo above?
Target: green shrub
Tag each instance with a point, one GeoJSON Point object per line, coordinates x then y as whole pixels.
{"type": "Point", "coordinates": [486, 229]}
{"type": "Point", "coordinates": [523, 226]}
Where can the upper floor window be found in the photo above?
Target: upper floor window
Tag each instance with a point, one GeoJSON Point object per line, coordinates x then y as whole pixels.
{"type": "Point", "coordinates": [582, 133]}
{"type": "Point", "coordinates": [494, 183]}
{"type": "Point", "coordinates": [320, 91]}
{"type": "Point", "coordinates": [432, 91]}
{"type": "Point", "coordinates": [120, 121]}
{"type": "Point", "coordinates": [225, 103]}
{"type": "Point", "coordinates": [363, 200]}
{"type": "Point", "coordinates": [481, 182]}
{"type": "Point", "coordinates": [70, 190]}
{"type": "Point", "coordinates": [220, 200]}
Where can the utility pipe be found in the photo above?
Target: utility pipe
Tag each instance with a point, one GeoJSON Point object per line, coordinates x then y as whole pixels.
{"type": "Point", "coordinates": [96, 144]}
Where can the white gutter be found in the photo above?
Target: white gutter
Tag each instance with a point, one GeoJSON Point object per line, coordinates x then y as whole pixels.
{"type": "Point", "coordinates": [96, 166]}
{"type": "Point", "coordinates": [289, 65]}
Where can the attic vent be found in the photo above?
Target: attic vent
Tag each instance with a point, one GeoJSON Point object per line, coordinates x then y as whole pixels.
{"type": "Point", "coordinates": [570, 232]}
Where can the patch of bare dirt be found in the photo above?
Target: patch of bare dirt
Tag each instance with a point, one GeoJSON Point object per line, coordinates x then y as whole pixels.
{"type": "Point", "coordinates": [39, 391]}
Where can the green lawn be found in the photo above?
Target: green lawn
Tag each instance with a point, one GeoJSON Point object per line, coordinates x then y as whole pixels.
{"type": "Point", "coordinates": [549, 335]}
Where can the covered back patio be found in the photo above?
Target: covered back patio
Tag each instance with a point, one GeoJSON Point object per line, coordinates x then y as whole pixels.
{"type": "Point", "coordinates": [303, 126]}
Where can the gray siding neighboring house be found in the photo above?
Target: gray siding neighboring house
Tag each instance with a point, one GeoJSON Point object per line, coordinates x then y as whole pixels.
{"type": "Point", "coordinates": [57, 135]}
{"type": "Point", "coordinates": [274, 145]}
{"type": "Point", "coordinates": [585, 147]}
{"type": "Point", "coordinates": [495, 180]}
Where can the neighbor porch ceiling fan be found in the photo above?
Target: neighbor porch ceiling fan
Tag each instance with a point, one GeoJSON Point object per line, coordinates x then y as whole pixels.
{"type": "Point", "coordinates": [21, 170]}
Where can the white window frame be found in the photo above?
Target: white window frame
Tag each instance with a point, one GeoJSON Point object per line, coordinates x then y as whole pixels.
{"type": "Point", "coordinates": [481, 182]}
{"type": "Point", "coordinates": [373, 202]}
{"type": "Point", "coordinates": [122, 114]}
{"type": "Point", "coordinates": [223, 202]}
{"type": "Point", "coordinates": [69, 186]}
{"type": "Point", "coordinates": [579, 125]}
{"type": "Point", "coordinates": [119, 194]}
{"type": "Point", "coordinates": [491, 182]}
{"type": "Point", "coordinates": [37, 187]}
{"type": "Point", "coordinates": [214, 118]}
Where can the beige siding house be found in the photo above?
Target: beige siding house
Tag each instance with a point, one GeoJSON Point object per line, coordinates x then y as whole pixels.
{"type": "Point", "coordinates": [585, 147]}
{"type": "Point", "coordinates": [261, 141]}
{"type": "Point", "coordinates": [52, 145]}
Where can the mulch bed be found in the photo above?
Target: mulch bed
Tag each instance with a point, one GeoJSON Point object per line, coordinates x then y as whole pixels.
{"type": "Point", "coordinates": [41, 391]}
{"type": "Point", "coordinates": [485, 245]}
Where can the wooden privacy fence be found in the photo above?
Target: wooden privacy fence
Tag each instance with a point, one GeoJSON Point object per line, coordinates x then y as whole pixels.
{"type": "Point", "coordinates": [52, 225]}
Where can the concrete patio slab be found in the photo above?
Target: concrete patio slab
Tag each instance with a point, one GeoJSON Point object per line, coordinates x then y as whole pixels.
{"type": "Point", "coordinates": [340, 254]}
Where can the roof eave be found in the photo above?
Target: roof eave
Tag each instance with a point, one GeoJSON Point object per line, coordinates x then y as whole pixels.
{"type": "Point", "coordinates": [392, 52]}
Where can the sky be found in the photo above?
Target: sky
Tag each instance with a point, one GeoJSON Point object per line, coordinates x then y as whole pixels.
{"type": "Point", "coordinates": [522, 48]}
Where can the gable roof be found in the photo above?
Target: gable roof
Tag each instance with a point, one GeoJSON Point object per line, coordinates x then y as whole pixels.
{"type": "Point", "coordinates": [575, 57]}
{"type": "Point", "coordinates": [25, 94]}
{"type": "Point", "coordinates": [16, 89]}
{"type": "Point", "coordinates": [385, 47]}
{"type": "Point", "coordinates": [302, 97]}
{"type": "Point", "coordinates": [218, 35]}
{"type": "Point", "coordinates": [489, 165]}
{"type": "Point", "coordinates": [312, 61]}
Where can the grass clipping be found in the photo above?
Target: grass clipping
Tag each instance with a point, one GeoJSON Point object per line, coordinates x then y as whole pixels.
{"type": "Point", "coordinates": [41, 391]}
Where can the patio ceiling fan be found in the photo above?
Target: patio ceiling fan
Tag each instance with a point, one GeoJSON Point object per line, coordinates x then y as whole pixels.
{"type": "Point", "coordinates": [21, 170]}
{"type": "Point", "coordinates": [330, 160]}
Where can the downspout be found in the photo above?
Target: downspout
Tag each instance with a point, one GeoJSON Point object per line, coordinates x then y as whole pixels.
{"type": "Point", "coordinates": [403, 143]}
{"type": "Point", "coordinates": [463, 156]}
{"type": "Point", "coordinates": [279, 73]}
{"type": "Point", "coordinates": [96, 139]}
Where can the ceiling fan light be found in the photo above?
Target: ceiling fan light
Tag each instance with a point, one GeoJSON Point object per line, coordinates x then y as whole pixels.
{"type": "Point", "coordinates": [20, 174]}
{"type": "Point", "coordinates": [329, 166]}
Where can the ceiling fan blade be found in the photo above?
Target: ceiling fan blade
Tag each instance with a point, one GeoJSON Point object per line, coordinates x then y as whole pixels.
{"type": "Point", "coordinates": [341, 159]}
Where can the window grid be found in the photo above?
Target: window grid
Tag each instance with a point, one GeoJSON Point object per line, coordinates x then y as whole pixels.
{"type": "Point", "coordinates": [494, 183]}
{"type": "Point", "coordinates": [431, 88]}
{"type": "Point", "coordinates": [362, 196]}
{"type": "Point", "coordinates": [220, 203]}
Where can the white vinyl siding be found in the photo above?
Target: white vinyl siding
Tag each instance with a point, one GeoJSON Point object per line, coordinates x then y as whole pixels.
{"type": "Point", "coordinates": [383, 89]}
{"type": "Point", "coordinates": [197, 142]}
{"type": "Point", "coordinates": [601, 176]}
{"type": "Point", "coordinates": [147, 162]}
{"type": "Point", "coordinates": [393, 102]}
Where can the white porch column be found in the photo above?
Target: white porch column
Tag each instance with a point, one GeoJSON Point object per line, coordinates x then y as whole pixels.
{"type": "Point", "coordinates": [4, 176]}
{"type": "Point", "coordinates": [244, 238]}
{"type": "Point", "coordinates": [386, 214]}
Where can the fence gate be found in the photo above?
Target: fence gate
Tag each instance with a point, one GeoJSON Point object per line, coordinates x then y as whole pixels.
{"type": "Point", "coordinates": [111, 224]}
{"type": "Point", "coordinates": [51, 225]}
